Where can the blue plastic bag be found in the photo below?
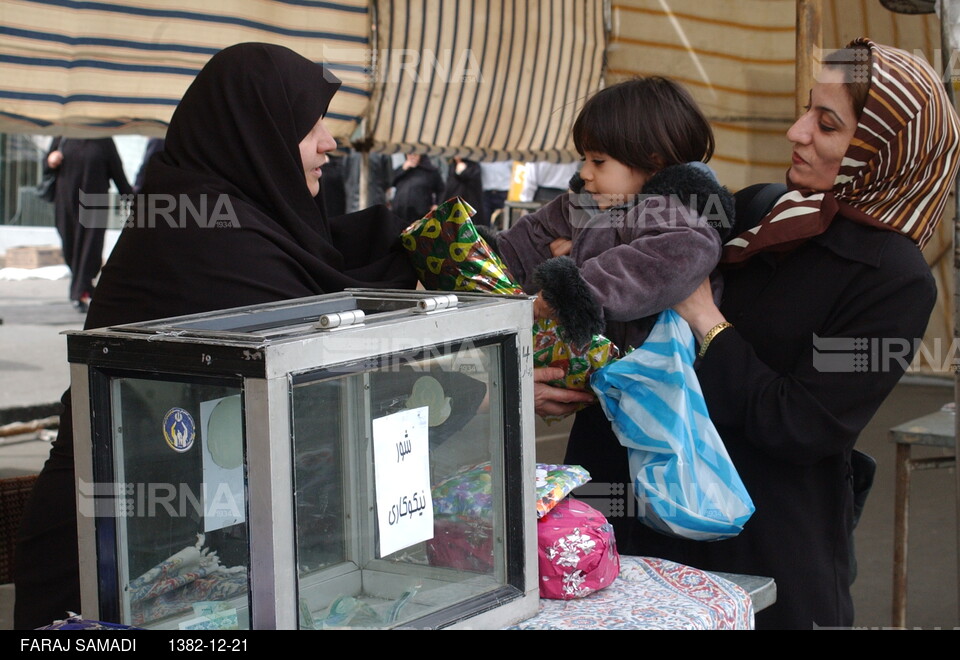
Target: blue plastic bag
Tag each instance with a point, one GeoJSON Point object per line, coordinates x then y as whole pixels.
{"type": "Point", "coordinates": [684, 480]}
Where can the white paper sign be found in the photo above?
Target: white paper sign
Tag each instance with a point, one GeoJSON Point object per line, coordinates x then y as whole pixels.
{"type": "Point", "coordinates": [223, 492]}
{"type": "Point", "coordinates": [401, 457]}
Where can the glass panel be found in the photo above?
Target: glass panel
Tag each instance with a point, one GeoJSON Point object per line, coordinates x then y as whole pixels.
{"type": "Point", "coordinates": [361, 560]}
{"type": "Point", "coordinates": [182, 542]}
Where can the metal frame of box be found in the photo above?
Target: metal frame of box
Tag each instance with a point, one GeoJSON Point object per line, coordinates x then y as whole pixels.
{"type": "Point", "coordinates": [265, 360]}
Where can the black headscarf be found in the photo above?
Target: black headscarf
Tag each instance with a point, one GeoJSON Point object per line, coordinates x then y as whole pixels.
{"type": "Point", "coordinates": [232, 152]}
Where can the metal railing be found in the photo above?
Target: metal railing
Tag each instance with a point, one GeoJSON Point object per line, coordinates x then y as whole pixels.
{"type": "Point", "coordinates": [20, 168]}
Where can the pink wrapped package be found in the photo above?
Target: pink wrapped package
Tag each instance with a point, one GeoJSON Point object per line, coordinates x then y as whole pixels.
{"type": "Point", "coordinates": [576, 550]}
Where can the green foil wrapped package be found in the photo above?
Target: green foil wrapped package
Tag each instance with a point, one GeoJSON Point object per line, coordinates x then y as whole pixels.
{"type": "Point", "coordinates": [449, 255]}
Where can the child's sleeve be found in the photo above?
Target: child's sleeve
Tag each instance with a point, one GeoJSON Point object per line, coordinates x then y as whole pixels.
{"type": "Point", "coordinates": [670, 253]}
{"type": "Point", "coordinates": [526, 244]}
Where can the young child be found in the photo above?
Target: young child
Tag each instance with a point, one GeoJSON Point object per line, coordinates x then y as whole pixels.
{"type": "Point", "coordinates": [640, 231]}
{"type": "Point", "coordinates": [641, 228]}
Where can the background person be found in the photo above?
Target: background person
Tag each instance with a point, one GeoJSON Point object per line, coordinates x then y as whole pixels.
{"type": "Point", "coordinates": [464, 181]}
{"type": "Point", "coordinates": [543, 181]}
{"type": "Point", "coordinates": [154, 146]}
{"type": "Point", "coordinates": [85, 166]}
{"type": "Point", "coordinates": [418, 185]}
{"type": "Point", "coordinates": [495, 179]}
{"type": "Point", "coordinates": [334, 186]}
{"type": "Point", "coordinates": [379, 177]}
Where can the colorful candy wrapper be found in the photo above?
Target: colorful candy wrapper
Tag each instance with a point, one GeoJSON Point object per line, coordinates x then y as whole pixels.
{"type": "Point", "coordinates": [449, 255]}
{"type": "Point", "coordinates": [469, 493]}
{"type": "Point", "coordinates": [578, 363]}
{"type": "Point", "coordinates": [463, 512]}
{"type": "Point", "coordinates": [554, 482]}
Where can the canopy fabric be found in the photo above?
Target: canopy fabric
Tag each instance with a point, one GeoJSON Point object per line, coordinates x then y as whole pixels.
{"type": "Point", "coordinates": [737, 57]}
{"type": "Point", "coordinates": [100, 68]}
{"type": "Point", "coordinates": [485, 79]}
{"type": "Point", "coordinates": [447, 77]}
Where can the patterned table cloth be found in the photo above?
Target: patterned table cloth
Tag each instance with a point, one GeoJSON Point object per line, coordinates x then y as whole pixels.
{"type": "Point", "coordinates": [651, 594]}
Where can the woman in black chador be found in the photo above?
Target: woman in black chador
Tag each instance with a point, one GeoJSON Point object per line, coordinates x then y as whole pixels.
{"type": "Point", "coordinates": [246, 143]}
{"type": "Point", "coordinates": [419, 187]}
{"type": "Point", "coordinates": [84, 167]}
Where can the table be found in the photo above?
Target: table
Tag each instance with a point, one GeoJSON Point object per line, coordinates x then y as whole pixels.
{"type": "Point", "coordinates": [933, 430]}
{"type": "Point", "coordinates": [658, 594]}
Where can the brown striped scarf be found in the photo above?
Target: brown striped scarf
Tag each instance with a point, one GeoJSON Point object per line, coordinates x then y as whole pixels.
{"type": "Point", "coordinates": [896, 173]}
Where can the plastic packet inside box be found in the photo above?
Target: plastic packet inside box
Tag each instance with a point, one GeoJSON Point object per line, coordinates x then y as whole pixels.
{"type": "Point", "coordinates": [267, 473]}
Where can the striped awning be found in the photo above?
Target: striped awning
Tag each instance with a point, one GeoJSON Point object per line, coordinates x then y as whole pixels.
{"type": "Point", "coordinates": [484, 79]}
{"type": "Point", "coordinates": [738, 57]}
{"type": "Point", "coordinates": [94, 68]}
{"type": "Point", "coordinates": [488, 79]}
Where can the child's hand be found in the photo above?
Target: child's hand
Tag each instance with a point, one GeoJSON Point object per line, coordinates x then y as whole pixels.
{"type": "Point", "coordinates": [560, 247]}
{"type": "Point", "coordinates": [542, 309]}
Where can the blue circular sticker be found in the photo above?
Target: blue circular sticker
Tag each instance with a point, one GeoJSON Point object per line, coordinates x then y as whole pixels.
{"type": "Point", "coordinates": [178, 429]}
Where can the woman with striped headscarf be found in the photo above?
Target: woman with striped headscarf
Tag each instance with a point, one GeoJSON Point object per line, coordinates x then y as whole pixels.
{"type": "Point", "coordinates": [825, 300]}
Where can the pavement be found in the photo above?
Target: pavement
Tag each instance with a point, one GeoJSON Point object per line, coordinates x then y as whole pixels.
{"type": "Point", "coordinates": [34, 373]}
{"type": "Point", "coordinates": [33, 353]}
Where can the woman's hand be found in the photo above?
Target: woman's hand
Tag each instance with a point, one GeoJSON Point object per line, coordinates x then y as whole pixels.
{"type": "Point", "coordinates": [55, 159]}
{"type": "Point", "coordinates": [549, 401]}
{"type": "Point", "coordinates": [699, 310]}
{"type": "Point", "coordinates": [560, 247]}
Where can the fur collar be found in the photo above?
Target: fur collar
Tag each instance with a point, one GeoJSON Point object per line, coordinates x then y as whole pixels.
{"type": "Point", "coordinates": [692, 183]}
{"type": "Point", "coordinates": [696, 187]}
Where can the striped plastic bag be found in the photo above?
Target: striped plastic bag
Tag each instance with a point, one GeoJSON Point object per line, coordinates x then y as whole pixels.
{"type": "Point", "coordinates": [684, 481]}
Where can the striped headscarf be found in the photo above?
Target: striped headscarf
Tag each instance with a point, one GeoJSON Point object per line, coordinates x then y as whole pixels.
{"type": "Point", "coordinates": [896, 173]}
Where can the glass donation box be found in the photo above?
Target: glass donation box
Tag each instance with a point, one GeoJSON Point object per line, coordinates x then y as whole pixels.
{"type": "Point", "coordinates": [354, 460]}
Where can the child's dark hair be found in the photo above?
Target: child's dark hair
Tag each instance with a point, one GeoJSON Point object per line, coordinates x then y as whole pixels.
{"type": "Point", "coordinates": [646, 123]}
